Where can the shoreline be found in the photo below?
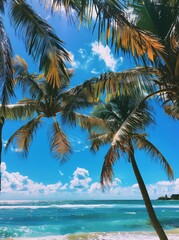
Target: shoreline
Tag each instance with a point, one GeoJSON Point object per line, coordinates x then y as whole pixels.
{"type": "Point", "coordinates": [171, 234]}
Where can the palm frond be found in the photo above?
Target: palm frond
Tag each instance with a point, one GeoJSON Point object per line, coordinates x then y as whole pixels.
{"type": "Point", "coordinates": [130, 82]}
{"type": "Point", "coordinates": [19, 65]}
{"type": "Point", "coordinates": [172, 111]}
{"type": "Point", "coordinates": [137, 118]}
{"type": "Point", "coordinates": [60, 147]}
{"type": "Point", "coordinates": [30, 83]}
{"type": "Point", "coordinates": [30, 86]}
{"type": "Point", "coordinates": [143, 143]}
{"type": "Point", "coordinates": [24, 135]}
{"type": "Point", "coordinates": [107, 169]}
{"type": "Point", "coordinates": [2, 3]}
{"type": "Point", "coordinates": [41, 42]}
{"type": "Point", "coordinates": [6, 70]}
{"type": "Point", "coordinates": [76, 98]}
{"type": "Point", "coordinates": [90, 122]}
{"type": "Point", "coordinates": [16, 111]}
{"type": "Point", "coordinates": [99, 139]}
{"type": "Point", "coordinates": [113, 26]}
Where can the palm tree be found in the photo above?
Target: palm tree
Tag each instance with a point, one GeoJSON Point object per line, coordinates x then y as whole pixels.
{"type": "Point", "coordinates": [121, 125]}
{"type": "Point", "coordinates": [46, 47]}
{"type": "Point", "coordinates": [45, 102]}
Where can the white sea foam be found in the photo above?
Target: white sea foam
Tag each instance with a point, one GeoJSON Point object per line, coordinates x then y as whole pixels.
{"type": "Point", "coordinates": [76, 206]}
{"type": "Point", "coordinates": [72, 206]}
{"type": "Point", "coordinates": [104, 236]}
{"type": "Point", "coordinates": [166, 206]}
{"type": "Point", "coordinates": [132, 213]}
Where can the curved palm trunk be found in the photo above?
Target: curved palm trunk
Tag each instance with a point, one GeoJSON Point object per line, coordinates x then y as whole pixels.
{"type": "Point", "coordinates": [1, 126]}
{"type": "Point", "coordinates": [153, 218]}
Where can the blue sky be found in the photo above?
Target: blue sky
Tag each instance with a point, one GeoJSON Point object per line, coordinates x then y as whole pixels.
{"type": "Point", "coordinates": [42, 177]}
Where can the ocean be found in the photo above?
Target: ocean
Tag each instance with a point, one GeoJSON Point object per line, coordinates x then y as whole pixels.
{"type": "Point", "coordinates": [94, 220]}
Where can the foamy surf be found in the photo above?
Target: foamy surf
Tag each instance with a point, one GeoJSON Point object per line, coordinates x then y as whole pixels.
{"type": "Point", "coordinates": [103, 236]}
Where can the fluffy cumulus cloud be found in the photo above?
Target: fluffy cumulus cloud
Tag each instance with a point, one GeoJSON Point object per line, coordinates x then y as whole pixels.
{"type": "Point", "coordinates": [16, 183]}
{"type": "Point", "coordinates": [80, 179]}
{"type": "Point", "coordinates": [104, 53]}
{"type": "Point", "coordinates": [81, 186]}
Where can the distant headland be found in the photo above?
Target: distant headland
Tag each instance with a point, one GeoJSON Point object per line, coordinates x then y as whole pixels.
{"type": "Point", "coordinates": [173, 197]}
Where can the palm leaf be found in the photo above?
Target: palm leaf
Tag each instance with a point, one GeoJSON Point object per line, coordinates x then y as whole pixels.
{"type": "Point", "coordinates": [20, 66]}
{"type": "Point", "coordinates": [6, 70]}
{"type": "Point", "coordinates": [137, 119]}
{"type": "Point", "coordinates": [99, 139]}
{"type": "Point", "coordinates": [107, 169]}
{"type": "Point", "coordinates": [143, 143]}
{"type": "Point", "coordinates": [90, 122]}
{"type": "Point", "coordinates": [172, 111]}
{"type": "Point", "coordinates": [2, 3]}
{"type": "Point", "coordinates": [112, 23]}
{"type": "Point", "coordinates": [130, 82]}
{"type": "Point", "coordinates": [41, 42]}
{"type": "Point", "coordinates": [16, 111]}
{"type": "Point", "coordinates": [24, 135]}
{"type": "Point", "coordinates": [76, 98]}
{"type": "Point", "coordinates": [60, 147]}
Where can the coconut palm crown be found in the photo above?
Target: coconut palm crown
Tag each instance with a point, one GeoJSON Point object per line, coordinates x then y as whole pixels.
{"type": "Point", "coordinates": [43, 102]}
{"type": "Point", "coordinates": [122, 125]}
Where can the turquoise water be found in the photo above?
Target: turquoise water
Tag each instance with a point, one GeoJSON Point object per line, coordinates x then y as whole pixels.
{"type": "Point", "coordinates": [32, 219]}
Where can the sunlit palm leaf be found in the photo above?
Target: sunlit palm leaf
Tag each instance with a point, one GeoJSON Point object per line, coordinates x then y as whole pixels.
{"type": "Point", "coordinates": [107, 169]}
{"type": "Point", "coordinates": [30, 86]}
{"type": "Point", "coordinates": [76, 98]}
{"type": "Point", "coordinates": [33, 105]}
{"type": "Point", "coordinates": [143, 143]}
{"type": "Point", "coordinates": [111, 21]}
{"type": "Point", "coordinates": [16, 111]}
{"type": "Point", "coordinates": [30, 83]}
{"type": "Point", "coordinates": [60, 147]}
{"type": "Point", "coordinates": [19, 65]}
{"type": "Point", "coordinates": [138, 119]}
{"type": "Point", "coordinates": [24, 135]}
{"type": "Point", "coordinates": [41, 42]}
{"type": "Point", "coordinates": [6, 70]}
{"type": "Point", "coordinates": [97, 140]}
{"type": "Point", "coordinates": [172, 110]}
{"type": "Point", "coordinates": [131, 82]}
{"type": "Point", "coordinates": [90, 122]}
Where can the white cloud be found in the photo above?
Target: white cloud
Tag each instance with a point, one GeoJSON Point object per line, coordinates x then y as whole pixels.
{"type": "Point", "coordinates": [80, 179]}
{"type": "Point", "coordinates": [80, 186]}
{"type": "Point", "coordinates": [16, 183]}
{"type": "Point", "coordinates": [104, 53]}
{"type": "Point", "coordinates": [78, 145]}
{"type": "Point", "coordinates": [131, 15]}
{"type": "Point", "coordinates": [94, 71]}
{"type": "Point", "coordinates": [95, 187]}
{"type": "Point", "coordinates": [82, 52]}
{"type": "Point", "coordinates": [73, 63]}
